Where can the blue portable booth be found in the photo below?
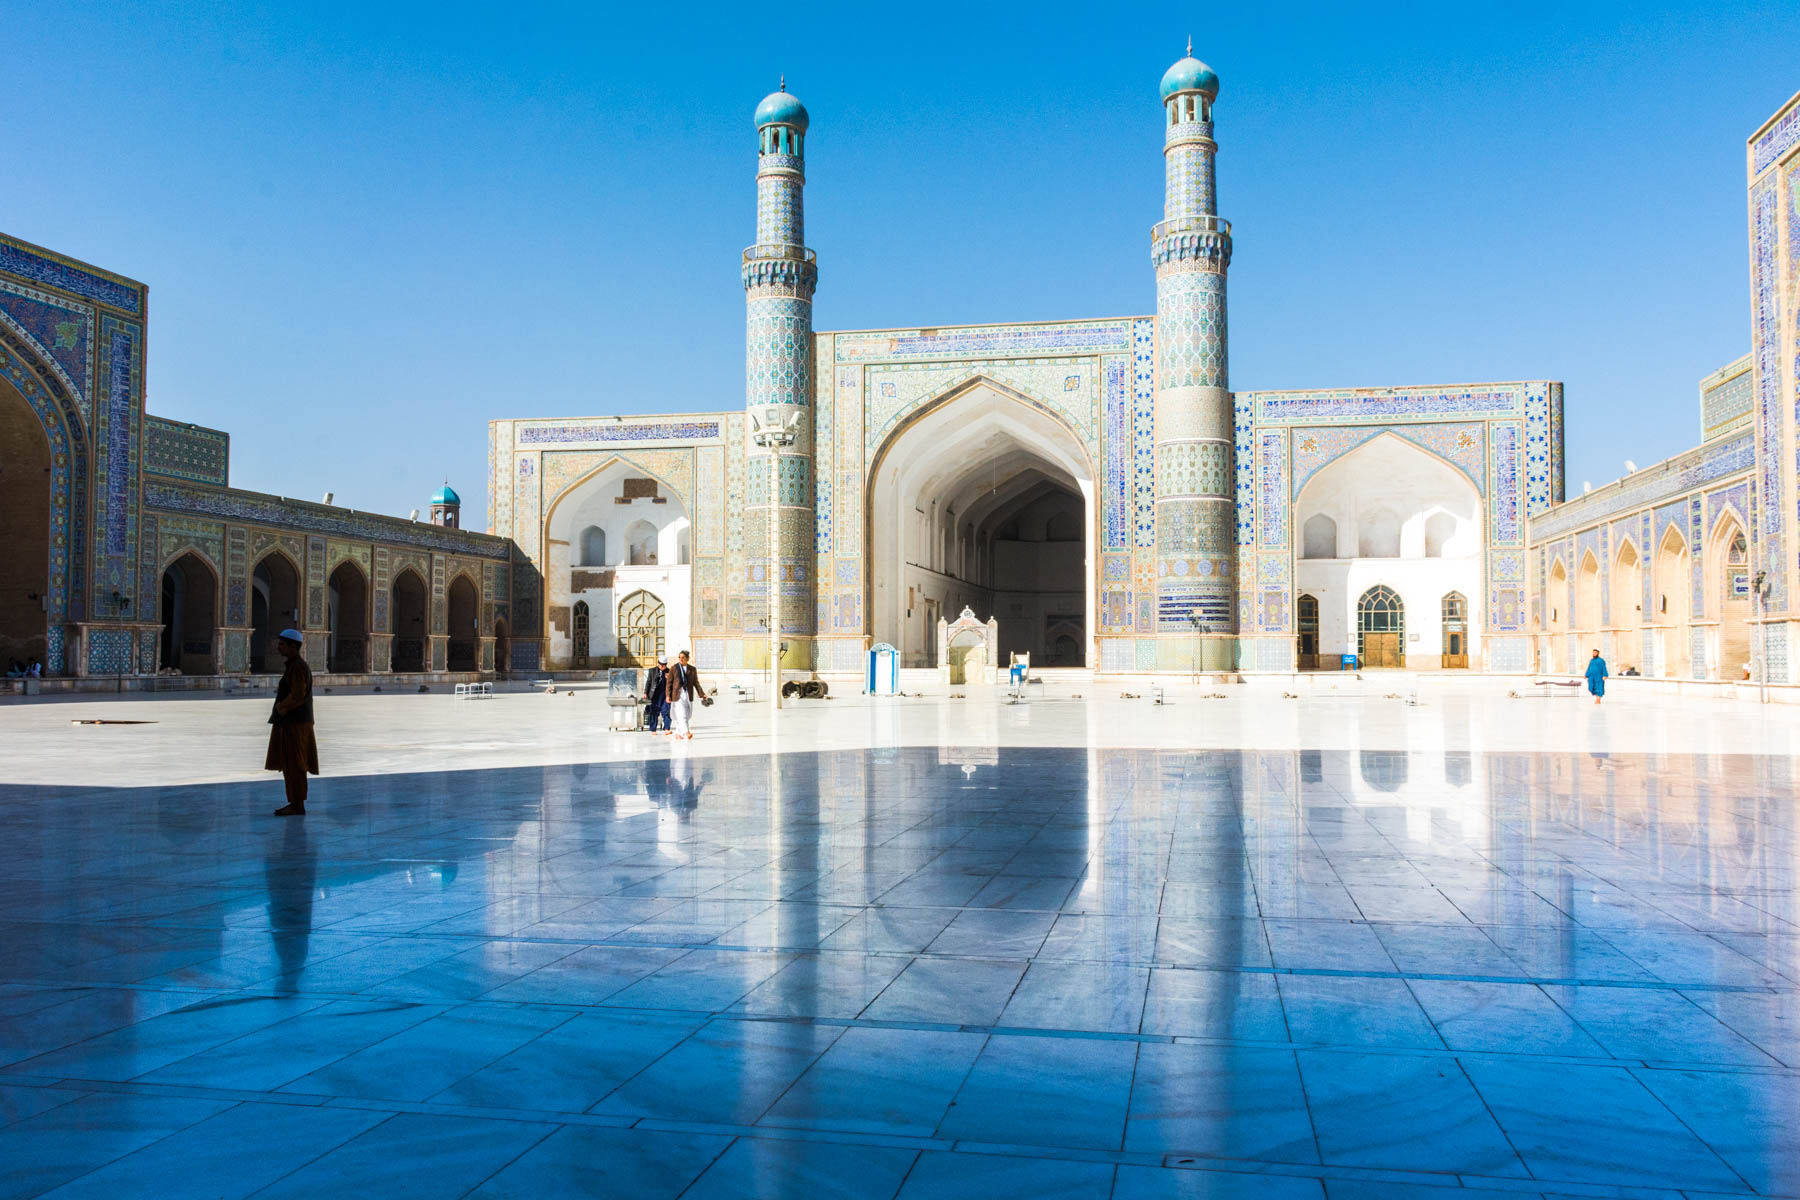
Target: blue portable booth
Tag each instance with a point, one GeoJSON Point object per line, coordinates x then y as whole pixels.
{"type": "Point", "coordinates": [883, 677]}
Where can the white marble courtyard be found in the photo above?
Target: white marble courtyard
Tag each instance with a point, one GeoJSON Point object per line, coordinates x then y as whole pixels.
{"type": "Point", "coordinates": [1342, 946]}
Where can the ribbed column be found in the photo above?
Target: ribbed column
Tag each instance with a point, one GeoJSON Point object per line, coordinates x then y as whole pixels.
{"type": "Point", "coordinates": [1196, 509]}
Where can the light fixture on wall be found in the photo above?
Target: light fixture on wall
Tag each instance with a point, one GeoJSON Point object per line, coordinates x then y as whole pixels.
{"type": "Point", "coordinates": [328, 496]}
{"type": "Point", "coordinates": [1630, 467]}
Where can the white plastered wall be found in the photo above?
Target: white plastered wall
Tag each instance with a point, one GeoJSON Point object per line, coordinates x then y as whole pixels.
{"type": "Point", "coordinates": [1384, 479]}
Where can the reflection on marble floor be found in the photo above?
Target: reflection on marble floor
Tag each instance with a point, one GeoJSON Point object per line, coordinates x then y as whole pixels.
{"type": "Point", "coordinates": [969, 971]}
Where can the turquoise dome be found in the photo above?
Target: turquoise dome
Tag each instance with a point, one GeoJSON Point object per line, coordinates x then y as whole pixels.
{"type": "Point", "coordinates": [781, 108]}
{"type": "Point", "coordinates": [446, 495]}
{"type": "Point", "coordinates": [1189, 75]}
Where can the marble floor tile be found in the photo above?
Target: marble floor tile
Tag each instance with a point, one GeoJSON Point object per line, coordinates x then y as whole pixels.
{"type": "Point", "coordinates": [424, 1059]}
{"type": "Point", "coordinates": [883, 1081]}
{"type": "Point", "coordinates": [1402, 1112]}
{"type": "Point", "coordinates": [948, 991]}
{"type": "Point", "coordinates": [236, 1153]}
{"type": "Point", "coordinates": [728, 1072]}
{"type": "Point", "coordinates": [412, 1156]}
{"type": "Point", "coordinates": [1504, 1018]}
{"type": "Point", "coordinates": [66, 1142]}
{"type": "Point", "coordinates": [1045, 1091]}
{"type": "Point", "coordinates": [941, 1176]}
{"type": "Point", "coordinates": [601, 1163]}
{"type": "Point", "coordinates": [1221, 1102]}
{"type": "Point", "coordinates": [1360, 967]}
{"type": "Point", "coordinates": [574, 1066]}
{"type": "Point", "coordinates": [1595, 1124]}
{"type": "Point", "coordinates": [1354, 1010]}
{"type": "Point", "coordinates": [759, 1169]}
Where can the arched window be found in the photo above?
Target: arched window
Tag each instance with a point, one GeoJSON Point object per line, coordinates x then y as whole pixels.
{"type": "Point", "coordinates": [1456, 630]}
{"type": "Point", "coordinates": [642, 537]}
{"type": "Point", "coordinates": [641, 626]}
{"type": "Point", "coordinates": [1378, 535]}
{"type": "Point", "coordinates": [1307, 610]}
{"type": "Point", "coordinates": [1439, 529]}
{"type": "Point", "coordinates": [1319, 537]}
{"type": "Point", "coordinates": [1381, 628]}
{"type": "Point", "coordinates": [583, 621]}
{"type": "Point", "coordinates": [593, 546]}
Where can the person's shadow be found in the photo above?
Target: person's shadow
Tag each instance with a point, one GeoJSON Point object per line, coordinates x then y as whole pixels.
{"type": "Point", "coordinates": [291, 869]}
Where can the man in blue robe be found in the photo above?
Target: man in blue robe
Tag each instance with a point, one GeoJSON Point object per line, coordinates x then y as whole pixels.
{"type": "Point", "coordinates": [1596, 676]}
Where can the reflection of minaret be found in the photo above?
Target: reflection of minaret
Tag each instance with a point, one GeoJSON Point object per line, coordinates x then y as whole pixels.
{"type": "Point", "coordinates": [1196, 509]}
{"type": "Point", "coordinates": [780, 274]}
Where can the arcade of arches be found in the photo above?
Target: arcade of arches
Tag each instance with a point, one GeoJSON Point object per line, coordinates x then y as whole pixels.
{"type": "Point", "coordinates": [983, 502]}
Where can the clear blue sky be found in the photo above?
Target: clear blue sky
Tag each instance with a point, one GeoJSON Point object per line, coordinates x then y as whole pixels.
{"type": "Point", "coordinates": [368, 229]}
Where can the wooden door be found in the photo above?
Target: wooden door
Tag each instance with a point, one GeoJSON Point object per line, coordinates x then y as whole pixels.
{"type": "Point", "coordinates": [1456, 650]}
{"type": "Point", "coordinates": [1381, 650]}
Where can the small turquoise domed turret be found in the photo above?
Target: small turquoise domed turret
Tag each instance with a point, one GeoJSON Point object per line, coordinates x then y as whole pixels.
{"type": "Point", "coordinates": [446, 495]}
{"type": "Point", "coordinates": [1189, 75]}
{"type": "Point", "coordinates": [781, 108]}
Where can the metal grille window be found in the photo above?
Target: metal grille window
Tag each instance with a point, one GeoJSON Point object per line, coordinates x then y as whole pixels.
{"type": "Point", "coordinates": [641, 625]}
{"type": "Point", "coordinates": [582, 622]}
{"type": "Point", "coordinates": [1380, 618]}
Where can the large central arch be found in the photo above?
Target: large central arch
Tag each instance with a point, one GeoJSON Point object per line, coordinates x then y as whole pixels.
{"type": "Point", "coordinates": [983, 498]}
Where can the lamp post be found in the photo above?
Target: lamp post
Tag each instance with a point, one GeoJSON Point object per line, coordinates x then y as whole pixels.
{"type": "Point", "coordinates": [1759, 588]}
{"type": "Point", "coordinates": [773, 432]}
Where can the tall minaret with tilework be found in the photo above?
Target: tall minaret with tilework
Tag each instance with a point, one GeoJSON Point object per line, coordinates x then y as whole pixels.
{"type": "Point", "coordinates": [780, 274]}
{"type": "Point", "coordinates": [1196, 507]}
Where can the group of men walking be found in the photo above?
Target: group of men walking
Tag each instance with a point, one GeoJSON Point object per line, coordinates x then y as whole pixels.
{"type": "Point", "coordinates": [669, 696]}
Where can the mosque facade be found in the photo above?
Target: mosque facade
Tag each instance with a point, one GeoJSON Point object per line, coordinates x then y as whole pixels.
{"type": "Point", "coordinates": [1092, 487]}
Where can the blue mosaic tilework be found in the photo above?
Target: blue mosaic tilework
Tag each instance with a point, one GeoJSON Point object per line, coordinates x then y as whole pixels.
{"type": "Point", "coordinates": [1243, 436]}
{"type": "Point", "coordinates": [1274, 655]}
{"type": "Point", "coordinates": [1726, 399]}
{"type": "Point", "coordinates": [1272, 493]}
{"type": "Point", "coordinates": [1684, 473]}
{"type": "Point", "coordinates": [1188, 179]}
{"type": "Point", "coordinates": [1777, 140]}
{"type": "Point", "coordinates": [1191, 329]}
{"type": "Point", "coordinates": [1765, 351]}
{"type": "Point", "coordinates": [59, 331]}
{"type": "Point", "coordinates": [525, 655]}
{"type": "Point", "coordinates": [1504, 495]}
{"type": "Point", "coordinates": [987, 341]}
{"type": "Point", "coordinates": [1115, 448]}
{"type": "Point", "coordinates": [294, 514]}
{"type": "Point", "coordinates": [183, 451]}
{"type": "Point", "coordinates": [115, 438]}
{"type": "Point", "coordinates": [780, 210]}
{"type": "Point", "coordinates": [1775, 652]}
{"type": "Point", "coordinates": [1462, 445]}
{"type": "Point", "coordinates": [777, 350]}
{"type": "Point", "coordinates": [1390, 404]}
{"type": "Point", "coordinates": [1118, 655]}
{"type": "Point", "coordinates": [40, 266]}
{"type": "Point", "coordinates": [1143, 429]}
{"type": "Point", "coordinates": [1697, 555]}
{"type": "Point", "coordinates": [63, 430]}
{"type": "Point", "coordinates": [673, 431]}
{"type": "Point", "coordinates": [109, 651]}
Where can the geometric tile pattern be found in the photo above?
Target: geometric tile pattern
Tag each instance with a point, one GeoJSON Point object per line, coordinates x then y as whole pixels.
{"type": "Point", "coordinates": [1190, 329]}
{"type": "Point", "coordinates": [188, 452]}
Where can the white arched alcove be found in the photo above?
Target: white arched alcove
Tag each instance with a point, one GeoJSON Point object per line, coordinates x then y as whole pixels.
{"type": "Point", "coordinates": [983, 500]}
{"type": "Point", "coordinates": [1404, 519]}
{"type": "Point", "coordinates": [638, 525]}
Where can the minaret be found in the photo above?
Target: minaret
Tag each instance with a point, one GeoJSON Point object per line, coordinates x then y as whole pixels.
{"type": "Point", "coordinates": [1196, 509]}
{"type": "Point", "coordinates": [779, 276]}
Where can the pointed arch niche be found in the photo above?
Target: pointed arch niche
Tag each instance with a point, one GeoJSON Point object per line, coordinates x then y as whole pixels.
{"type": "Point", "coordinates": [619, 530]}
{"type": "Point", "coordinates": [983, 500]}
{"type": "Point", "coordinates": [1392, 515]}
